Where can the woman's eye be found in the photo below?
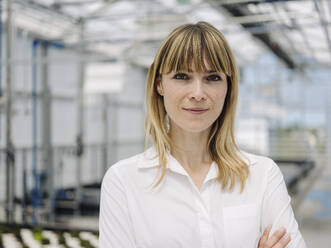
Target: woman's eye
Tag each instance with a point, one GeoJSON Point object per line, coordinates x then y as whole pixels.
{"type": "Point", "coordinates": [180, 76]}
{"type": "Point", "coordinates": [214, 78]}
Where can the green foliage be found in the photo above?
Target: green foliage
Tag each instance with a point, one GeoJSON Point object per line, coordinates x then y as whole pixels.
{"type": "Point", "coordinates": [86, 244]}
{"type": "Point", "coordinates": [37, 229]}
{"type": "Point", "coordinates": [45, 241]}
{"type": "Point", "coordinates": [1, 245]}
{"type": "Point", "coordinates": [62, 240]}
{"type": "Point", "coordinates": [5, 229]}
{"type": "Point", "coordinates": [75, 234]}
{"type": "Point", "coordinates": [83, 243]}
{"type": "Point", "coordinates": [38, 236]}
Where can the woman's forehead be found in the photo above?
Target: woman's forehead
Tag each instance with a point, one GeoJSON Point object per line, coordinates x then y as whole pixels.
{"type": "Point", "coordinates": [204, 67]}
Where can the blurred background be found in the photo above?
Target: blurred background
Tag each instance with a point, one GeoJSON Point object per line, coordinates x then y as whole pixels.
{"type": "Point", "coordinates": [72, 86]}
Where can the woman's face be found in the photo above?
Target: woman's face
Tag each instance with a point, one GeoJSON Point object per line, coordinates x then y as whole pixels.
{"type": "Point", "coordinates": [193, 100]}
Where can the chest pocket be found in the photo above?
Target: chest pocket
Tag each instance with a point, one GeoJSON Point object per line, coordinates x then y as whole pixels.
{"type": "Point", "coordinates": [241, 226]}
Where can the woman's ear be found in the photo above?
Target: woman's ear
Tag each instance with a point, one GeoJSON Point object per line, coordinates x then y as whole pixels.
{"type": "Point", "coordinates": [159, 86]}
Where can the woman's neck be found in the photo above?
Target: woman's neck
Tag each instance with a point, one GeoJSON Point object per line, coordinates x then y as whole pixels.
{"type": "Point", "coordinates": [190, 149]}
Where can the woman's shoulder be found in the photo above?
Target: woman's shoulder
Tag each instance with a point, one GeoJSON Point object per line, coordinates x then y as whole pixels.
{"type": "Point", "coordinates": [258, 161]}
{"type": "Point", "coordinates": [117, 172]}
{"type": "Point", "coordinates": [262, 169]}
{"type": "Point", "coordinates": [144, 159]}
{"type": "Point", "coordinates": [126, 163]}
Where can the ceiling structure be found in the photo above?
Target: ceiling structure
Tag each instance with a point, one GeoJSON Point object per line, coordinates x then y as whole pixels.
{"type": "Point", "coordinates": [297, 32]}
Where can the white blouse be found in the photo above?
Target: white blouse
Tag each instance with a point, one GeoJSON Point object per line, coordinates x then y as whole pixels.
{"type": "Point", "coordinates": [177, 215]}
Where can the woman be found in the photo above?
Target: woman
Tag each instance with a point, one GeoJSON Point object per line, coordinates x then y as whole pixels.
{"type": "Point", "coordinates": [194, 187]}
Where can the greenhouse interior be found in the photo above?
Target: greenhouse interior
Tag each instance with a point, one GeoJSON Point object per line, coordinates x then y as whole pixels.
{"type": "Point", "coordinates": [72, 103]}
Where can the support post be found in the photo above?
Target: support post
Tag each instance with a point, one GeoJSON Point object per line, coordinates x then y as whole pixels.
{"type": "Point", "coordinates": [10, 152]}
{"type": "Point", "coordinates": [35, 192]}
{"type": "Point", "coordinates": [24, 187]}
{"type": "Point", "coordinates": [47, 186]}
{"type": "Point", "coordinates": [1, 3]}
{"type": "Point", "coordinates": [328, 117]}
{"type": "Point", "coordinates": [80, 128]}
{"type": "Point", "coordinates": [105, 132]}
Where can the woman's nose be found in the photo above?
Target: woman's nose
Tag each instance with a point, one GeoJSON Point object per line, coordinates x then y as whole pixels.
{"type": "Point", "coordinates": [197, 90]}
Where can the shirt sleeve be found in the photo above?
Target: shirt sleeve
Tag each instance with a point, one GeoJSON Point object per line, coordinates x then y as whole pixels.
{"type": "Point", "coordinates": [115, 226]}
{"type": "Point", "coordinates": [277, 209]}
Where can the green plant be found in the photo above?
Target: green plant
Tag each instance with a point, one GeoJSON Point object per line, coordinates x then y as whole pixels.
{"type": "Point", "coordinates": [75, 234]}
{"type": "Point", "coordinates": [4, 229]}
{"type": "Point", "coordinates": [37, 236]}
{"type": "Point", "coordinates": [37, 229]}
{"type": "Point", "coordinates": [45, 241]}
{"type": "Point", "coordinates": [1, 245]}
{"type": "Point", "coordinates": [86, 244]}
{"type": "Point", "coordinates": [62, 240]}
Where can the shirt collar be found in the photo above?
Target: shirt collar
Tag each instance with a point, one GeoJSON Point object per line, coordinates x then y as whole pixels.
{"type": "Point", "coordinates": [150, 159]}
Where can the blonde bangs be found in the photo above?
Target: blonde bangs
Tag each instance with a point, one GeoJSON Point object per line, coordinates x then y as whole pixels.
{"type": "Point", "coordinates": [198, 48]}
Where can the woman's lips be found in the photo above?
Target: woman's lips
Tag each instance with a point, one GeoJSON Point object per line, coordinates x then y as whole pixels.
{"type": "Point", "coordinates": [196, 110]}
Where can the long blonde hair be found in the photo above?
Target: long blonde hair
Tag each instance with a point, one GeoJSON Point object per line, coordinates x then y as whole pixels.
{"type": "Point", "coordinates": [186, 45]}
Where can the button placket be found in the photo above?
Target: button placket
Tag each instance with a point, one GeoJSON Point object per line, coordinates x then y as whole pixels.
{"type": "Point", "coordinates": [205, 223]}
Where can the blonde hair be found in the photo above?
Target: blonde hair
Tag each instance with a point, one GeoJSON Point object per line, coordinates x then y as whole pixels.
{"type": "Point", "coordinates": [186, 45]}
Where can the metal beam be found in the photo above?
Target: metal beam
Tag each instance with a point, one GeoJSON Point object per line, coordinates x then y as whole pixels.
{"type": "Point", "coordinates": [293, 48]}
{"type": "Point", "coordinates": [72, 3]}
{"type": "Point", "coordinates": [269, 28]}
{"type": "Point", "coordinates": [305, 40]}
{"type": "Point", "coordinates": [257, 1]}
{"type": "Point", "coordinates": [239, 11]}
{"type": "Point", "coordinates": [51, 11]}
{"type": "Point", "coordinates": [107, 3]}
{"type": "Point", "coordinates": [325, 28]}
{"type": "Point", "coordinates": [96, 57]}
{"type": "Point", "coordinates": [265, 17]}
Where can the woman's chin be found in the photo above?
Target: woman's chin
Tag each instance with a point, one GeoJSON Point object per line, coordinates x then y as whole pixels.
{"type": "Point", "coordinates": [195, 128]}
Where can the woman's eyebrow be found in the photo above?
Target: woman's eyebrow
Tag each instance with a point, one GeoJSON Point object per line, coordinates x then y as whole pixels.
{"type": "Point", "coordinates": [191, 71]}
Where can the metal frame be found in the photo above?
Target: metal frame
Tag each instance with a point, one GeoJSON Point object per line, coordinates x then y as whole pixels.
{"type": "Point", "coordinates": [323, 24]}
{"type": "Point", "coordinates": [253, 23]}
